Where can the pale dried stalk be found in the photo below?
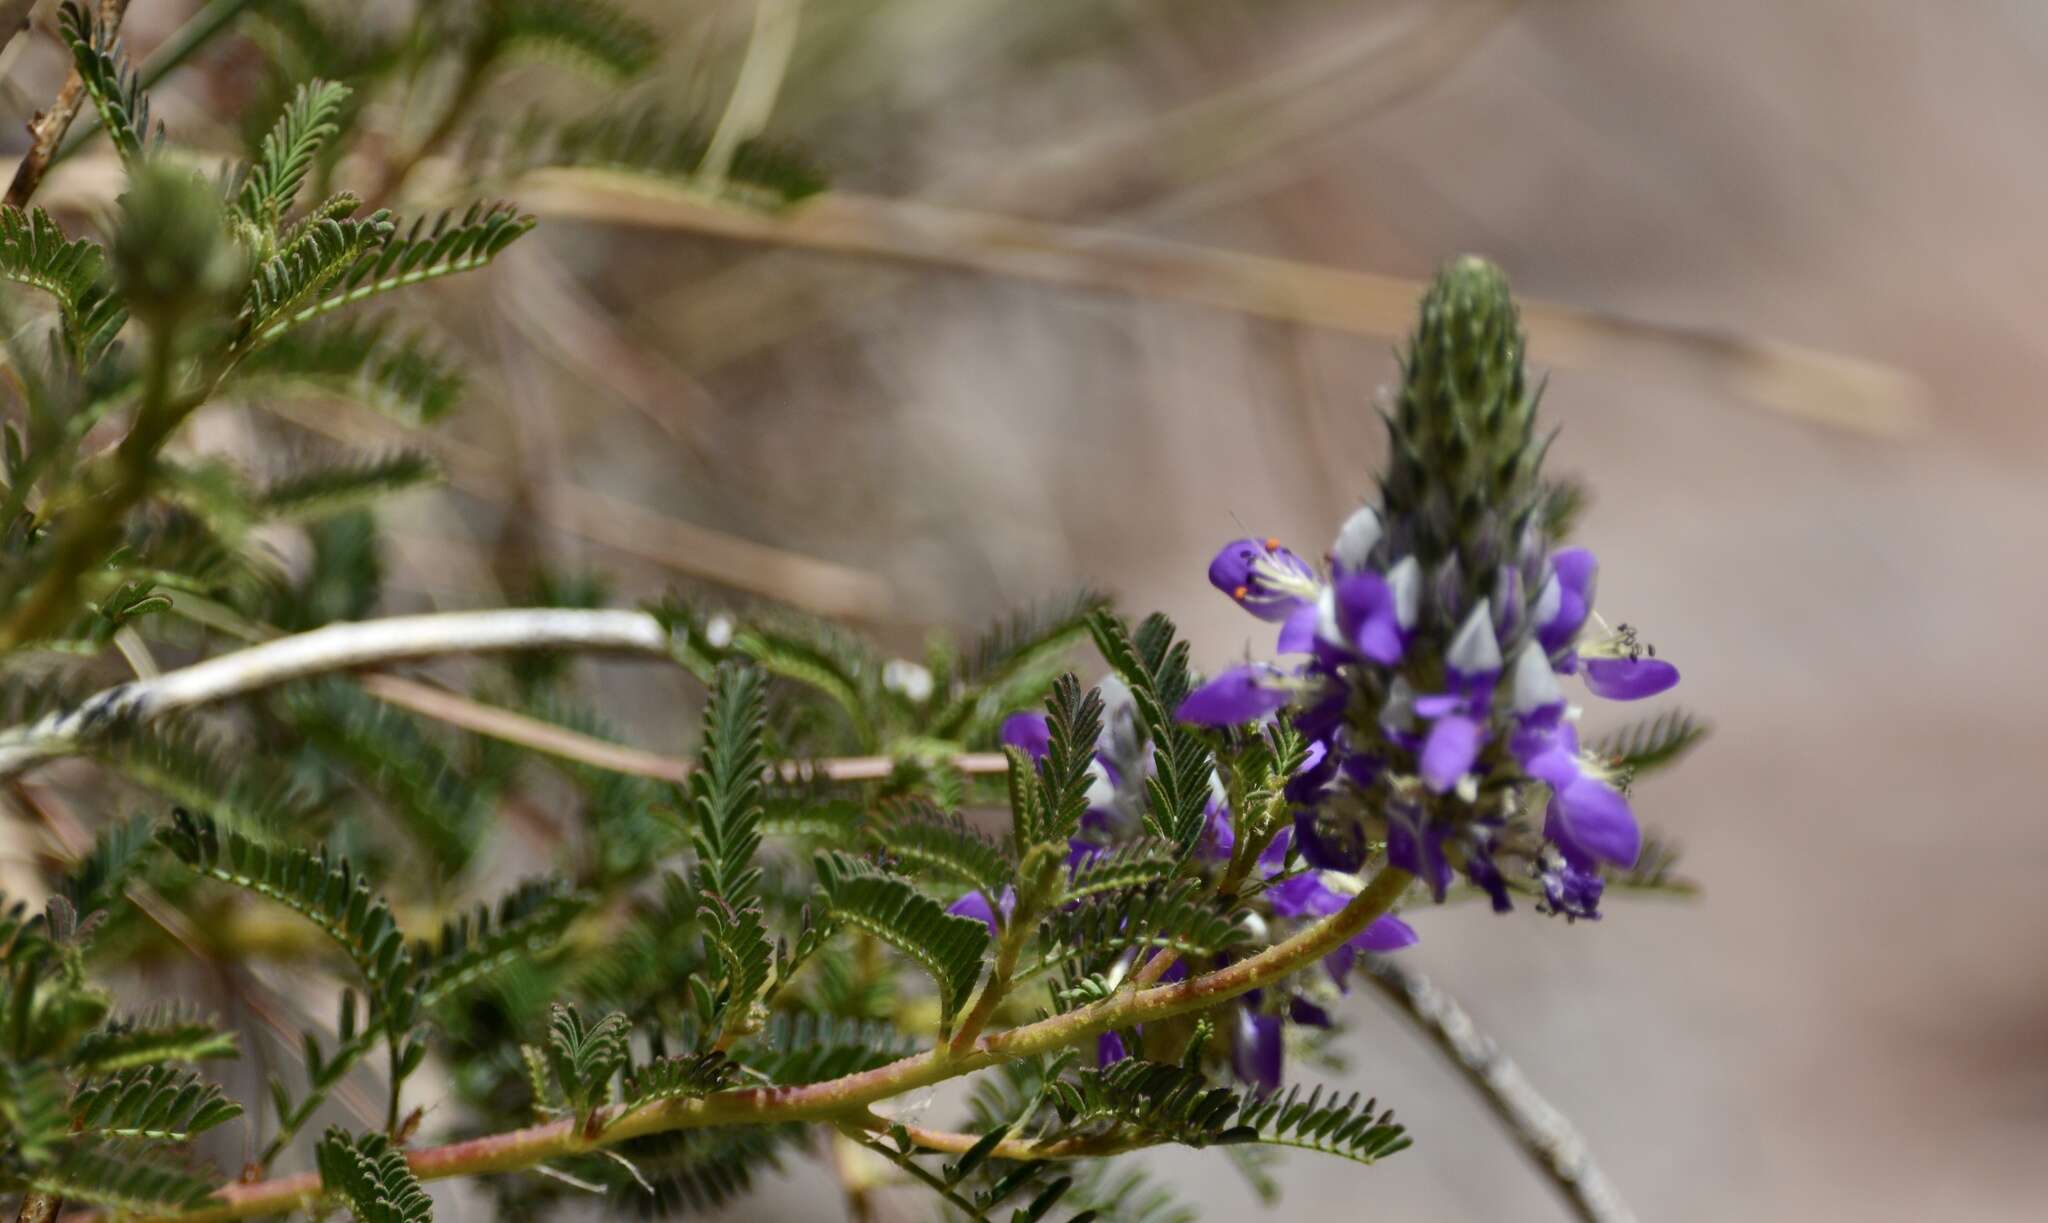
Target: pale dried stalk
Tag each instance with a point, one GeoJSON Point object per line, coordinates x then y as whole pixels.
{"type": "Point", "coordinates": [1547, 1135]}
{"type": "Point", "coordinates": [457, 710]}
{"type": "Point", "coordinates": [1826, 388]}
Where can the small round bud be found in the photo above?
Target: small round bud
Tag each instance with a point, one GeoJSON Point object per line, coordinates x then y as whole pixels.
{"type": "Point", "coordinates": [173, 255]}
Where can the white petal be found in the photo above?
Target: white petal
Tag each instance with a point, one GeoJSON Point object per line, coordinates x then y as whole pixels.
{"type": "Point", "coordinates": [1474, 650]}
{"type": "Point", "coordinates": [1356, 539]}
{"type": "Point", "coordinates": [1404, 581]}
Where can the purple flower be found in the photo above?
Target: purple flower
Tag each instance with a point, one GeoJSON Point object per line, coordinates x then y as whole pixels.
{"type": "Point", "coordinates": [1028, 732]}
{"type": "Point", "coordinates": [1588, 818]}
{"type": "Point", "coordinates": [1240, 694]}
{"type": "Point", "coordinates": [1629, 679]}
{"type": "Point", "coordinates": [1360, 614]}
{"type": "Point", "coordinates": [1264, 578]}
{"type": "Point", "coordinates": [1109, 1049]}
{"type": "Point", "coordinates": [1573, 890]}
{"type": "Point", "coordinates": [975, 905]}
{"type": "Point", "coordinates": [1256, 1054]}
{"type": "Point", "coordinates": [1566, 597]}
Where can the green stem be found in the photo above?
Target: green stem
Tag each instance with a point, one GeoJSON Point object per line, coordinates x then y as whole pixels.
{"type": "Point", "coordinates": [845, 1099]}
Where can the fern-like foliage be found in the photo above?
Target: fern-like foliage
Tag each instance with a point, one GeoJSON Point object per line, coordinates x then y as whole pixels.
{"type": "Point", "coordinates": [167, 1033]}
{"type": "Point", "coordinates": [364, 360]}
{"type": "Point", "coordinates": [598, 37]}
{"type": "Point", "coordinates": [725, 790]}
{"type": "Point", "coordinates": [1011, 663]}
{"type": "Point", "coordinates": [316, 492]}
{"type": "Point", "coordinates": [687, 1076]}
{"type": "Point", "coordinates": [738, 942]}
{"type": "Point", "coordinates": [1159, 1100]}
{"type": "Point", "coordinates": [34, 251]}
{"type": "Point", "coordinates": [582, 1059]}
{"type": "Point", "coordinates": [373, 1178]}
{"type": "Point", "coordinates": [527, 923]}
{"type": "Point", "coordinates": [158, 1102]}
{"type": "Point", "coordinates": [926, 842]}
{"type": "Point", "coordinates": [1134, 864]}
{"type": "Point", "coordinates": [1087, 937]}
{"type": "Point", "coordinates": [656, 142]}
{"type": "Point", "coordinates": [114, 87]}
{"type": "Point", "coordinates": [127, 1182]}
{"type": "Point", "coordinates": [378, 259]}
{"type": "Point", "coordinates": [1351, 1127]}
{"type": "Point", "coordinates": [1657, 743]}
{"type": "Point", "coordinates": [317, 255]}
{"type": "Point", "coordinates": [805, 1047]}
{"type": "Point", "coordinates": [272, 183]}
{"type": "Point", "coordinates": [947, 947]}
{"type": "Point", "coordinates": [325, 890]}
{"type": "Point", "coordinates": [445, 809]}
{"type": "Point", "coordinates": [1075, 722]}
{"type": "Point", "coordinates": [1143, 1101]}
{"type": "Point", "coordinates": [1155, 666]}
{"type": "Point", "coordinates": [32, 1103]}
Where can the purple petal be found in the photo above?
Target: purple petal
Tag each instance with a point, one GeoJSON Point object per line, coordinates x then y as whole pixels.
{"type": "Point", "coordinates": [1109, 1049]}
{"type": "Point", "coordinates": [1236, 572]}
{"type": "Point", "coordinates": [1257, 1053]}
{"type": "Point", "coordinates": [1300, 1010]}
{"type": "Point", "coordinates": [1448, 753]}
{"type": "Point", "coordinates": [1241, 694]}
{"type": "Point", "coordinates": [1577, 570]}
{"type": "Point", "coordinates": [1418, 851]}
{"type": "Point", "coordinates": [1028, 733]}
{"type": "Point", "coordinates": [1304, 896]}
{"type": "Point", "coordinates": [1298, 634]}
{"type": "Point", "coordinates": [1629, 679]}
{"type": "Point", "coordinates": [1219, 837]}
{"type": "Point", "coordinates": [1338, 964]}
{"type": "Point", "coordinates": [1594, 819]}
{"type": "Point", "coordinates": [976, 906]}
{"type": "Point", "coordinates": [1363, 608]}
{"type": "Point", "coordinates": [1385, 934]}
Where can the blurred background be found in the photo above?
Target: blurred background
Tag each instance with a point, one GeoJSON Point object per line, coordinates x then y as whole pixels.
{"type": "Point", "coordinates": [1100, 285]}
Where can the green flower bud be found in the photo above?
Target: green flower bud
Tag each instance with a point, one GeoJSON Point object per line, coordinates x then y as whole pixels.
{"type": "Point", "coordinates": [174, 258]}
{"type": "Point", "coordinates": [1463, 474]}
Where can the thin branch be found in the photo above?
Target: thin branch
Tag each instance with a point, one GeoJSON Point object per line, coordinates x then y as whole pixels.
{"type": "Point", "coordinates": [47, 129]}
{"type": "Point", "coordinates": [1547, 1135]}
{"type": "Point", "coordinates": [513, 727]}
{"type": "Point", "coordinates": [846, 1099]}
{"type": "Point", "coordinates": [1824, 387]}
{"type": "Point", "coordinates": [337, 647]}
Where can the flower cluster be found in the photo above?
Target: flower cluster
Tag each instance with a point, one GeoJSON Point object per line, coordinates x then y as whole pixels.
{"type": "Point", "coordinates": [1425, 659]}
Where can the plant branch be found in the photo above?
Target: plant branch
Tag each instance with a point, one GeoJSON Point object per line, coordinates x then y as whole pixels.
{"type": "Point", "coordinates": [47, 129]}
{"type": "Point", "coordinates": [845, 1100]}
{"type": "Point", "coordinates": [336, 647]}
{"type": "Point", "coordinates": [1547, 1135]}
{"type": "Point", "coordinates": [513, 727]}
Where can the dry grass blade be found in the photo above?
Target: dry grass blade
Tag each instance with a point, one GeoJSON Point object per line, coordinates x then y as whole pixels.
{"type": "Point", "coordinates": [1822, 387]}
